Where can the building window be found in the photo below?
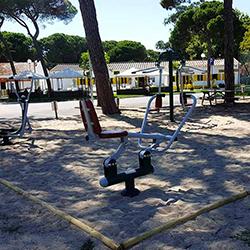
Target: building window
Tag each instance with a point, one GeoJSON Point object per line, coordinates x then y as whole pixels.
{"type": "Point", "coordinates": [215, 76]}
{"type": "Point", "coordinates": [3, 85]}
{"type": "Point", "coordinates": [200, 77]}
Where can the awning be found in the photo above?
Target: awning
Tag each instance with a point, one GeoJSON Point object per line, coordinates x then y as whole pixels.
{"type": "Point", "coordinates": [66, 73]}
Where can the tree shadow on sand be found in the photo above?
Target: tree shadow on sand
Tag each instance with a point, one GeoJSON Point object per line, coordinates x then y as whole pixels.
{"type": "Point", "coordinates": [64, 170]}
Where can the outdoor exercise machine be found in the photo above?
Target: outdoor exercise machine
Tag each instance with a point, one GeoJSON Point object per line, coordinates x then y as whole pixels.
{"type": "Point", "coordinates": [159, 95]}
{"type": "Point", "coordinates": [168, 55]}
{"type": "Point", "coordinates": [183, 68]}
{"type": "Point", "coordinates": [23, 98]}
{"type": "Point", "coordinates": [111, 175]}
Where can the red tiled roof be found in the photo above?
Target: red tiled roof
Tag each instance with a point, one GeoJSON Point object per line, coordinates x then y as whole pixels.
{"type": "Point", "coordinates": [140, 65]}
{"type": "Point", "coordinates": [5, 69]}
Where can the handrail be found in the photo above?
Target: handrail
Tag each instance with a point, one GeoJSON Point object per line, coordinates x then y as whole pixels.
{"type": "Point", "coordinates": [169, 138]}
{"type": "Point", "coordinates": [24, 102]}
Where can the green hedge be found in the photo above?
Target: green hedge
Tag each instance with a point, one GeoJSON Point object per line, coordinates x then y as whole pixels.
{"type": "Point", "coordinates": [141, 91]}
{"type": "Point", "coordinates": [138, 91]}
{"type": "Point", "coordinates": [55, 96]}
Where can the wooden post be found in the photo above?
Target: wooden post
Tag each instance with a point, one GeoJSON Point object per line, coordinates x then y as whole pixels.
{"type": "Point", "coordinates": [55, 108]}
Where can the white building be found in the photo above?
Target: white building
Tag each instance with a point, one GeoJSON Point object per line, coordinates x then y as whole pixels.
{"type": "Point", "coordinates": [70, 81]}
{"type": "Point", "coordinates": [6, 72]}
{"type": "Point", "coordinates": [122, 75]}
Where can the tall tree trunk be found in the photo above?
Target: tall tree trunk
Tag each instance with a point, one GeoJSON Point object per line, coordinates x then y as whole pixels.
{"type": "Point", "coordinates": [41, 59]}
{"type": "Point", "coordinates": [228, 51]}
{"type": "Point", "coordinates": [104, 90]}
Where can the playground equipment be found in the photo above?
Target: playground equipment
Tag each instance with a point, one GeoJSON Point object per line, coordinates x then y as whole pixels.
{"type": "Point", "coordinates": [155, 146]}
{"type": "Point", "coordinates": [111, 175]}
{"type": "Point", "coordinates": [6, 134]}
{"type": "Point", "coordinates": [187, 70]}
{"type": "Point", "coordinates": [157, 67]}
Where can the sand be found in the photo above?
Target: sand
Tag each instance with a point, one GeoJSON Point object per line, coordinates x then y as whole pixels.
{"type": "Point", "coordinates": [210, 161]}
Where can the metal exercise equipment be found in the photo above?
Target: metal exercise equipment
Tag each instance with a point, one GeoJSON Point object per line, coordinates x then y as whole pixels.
{"type": "Point", "coordinates": [157, 67]}
{"type": "Point", "coordinates": [111, 175]}
{"type": "Point", "coordinates": [188, 70]}
{"type": "Point", "coordinates": [6, 134]}
{"type": "Point", "coordinates": [169, 139]}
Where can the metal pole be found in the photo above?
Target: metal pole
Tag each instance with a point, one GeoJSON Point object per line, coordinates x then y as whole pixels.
{"type": "Point", "coordinates": [160, 80]}
{"type": "Point", "coordinates": [171, 93]}
{"type": "Point", "coordinates": [90, 84]}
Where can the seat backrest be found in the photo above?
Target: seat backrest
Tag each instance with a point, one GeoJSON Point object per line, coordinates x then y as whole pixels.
{"type": "Point", "coordinates": [89, 117]}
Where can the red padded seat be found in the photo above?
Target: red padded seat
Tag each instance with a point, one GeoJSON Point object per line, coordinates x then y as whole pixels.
{"type": "Point", "coordinates": [93, 117]}
{"type": "Point", "coordinates": [113, 134]}
{"type": "Point", "coordinates": [96, 125]}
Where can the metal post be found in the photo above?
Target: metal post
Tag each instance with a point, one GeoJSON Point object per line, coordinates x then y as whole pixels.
{"type": "Point", "coordinates": [160, 80]}
{"type": "Point", "coordinates": [91, 78]}
{"type": "Point", "coordinates": [171, 93]}
{"type": "Point", "coordinates": [177, 81]}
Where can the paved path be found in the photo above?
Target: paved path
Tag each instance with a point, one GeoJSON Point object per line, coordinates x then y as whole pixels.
{"type": "Point", "coordinates": [70, 108]}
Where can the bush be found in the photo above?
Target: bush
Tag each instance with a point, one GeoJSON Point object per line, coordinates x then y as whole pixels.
{"type": "Point", "coordinates": [137, 91]}
{"type": "Point", "coordinates": [55, 96]}
{"type": "Point", "coordinates": [245, 80]}
{"type": "Point", "coordinates": [141, 91]}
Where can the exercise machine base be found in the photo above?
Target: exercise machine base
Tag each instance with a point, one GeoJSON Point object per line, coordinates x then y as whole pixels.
{"type": "Point", "coordinates": [130, 189]}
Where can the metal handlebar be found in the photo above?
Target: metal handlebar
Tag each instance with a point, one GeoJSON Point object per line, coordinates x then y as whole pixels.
{"type": "Point", "coordinates": [161, 137]}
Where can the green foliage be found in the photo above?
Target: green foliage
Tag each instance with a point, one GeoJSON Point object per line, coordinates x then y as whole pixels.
{"type": "Point", "coordinates": [179, 6]}
{"type": "Point", "coordinates": [195, 47]}
{"type": "Point", "coordinates": [19, 45]}
{"type": "Point", "coordinates": [108, 45]}
{"type": "Point", "coordinates": [245, 44]}
{"type": "Point", "coordinates": [126, 51]}
{"type": "Point", "coordinates": [31, 12]}
{"type": "Point", "coordinates": [62, 48]}
{"type": "Point", "coordinates": [169, 4]}
{"type": "Point", "coordinates": [152, 56]}
{"type": "Point", "coordinates": [58, 48]}
{"type": "Point", "coordinates": [200, 29]}
{"type": "Point", "coordinates": [161, 45]}
{"type": "Point", "coordinates": [43, 10]}
{"type": "Point", "coordinates": [85, 60]}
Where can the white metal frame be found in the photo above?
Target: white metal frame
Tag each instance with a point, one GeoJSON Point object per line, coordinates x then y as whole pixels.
{"type": "Point", "coordinates": [24, 103]}
{"type": "Point", "coordinates": [184, 68]}
{"type": "Point", "coordinates": [157, 138]}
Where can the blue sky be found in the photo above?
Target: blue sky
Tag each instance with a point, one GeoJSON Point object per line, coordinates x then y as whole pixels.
{"type": "Point", "coordinates": [137, 20]}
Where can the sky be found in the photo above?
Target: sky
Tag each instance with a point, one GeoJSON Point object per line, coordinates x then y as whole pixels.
{"type": "Point", "coordinates": [136, 20]}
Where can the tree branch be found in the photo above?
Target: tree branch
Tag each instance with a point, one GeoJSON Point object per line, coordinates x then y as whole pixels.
{"type": "Point", "coordinates": [1, 21]}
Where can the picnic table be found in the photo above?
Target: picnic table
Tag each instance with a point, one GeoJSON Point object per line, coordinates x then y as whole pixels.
{"type": "Point", "coordinates": [212, 95]}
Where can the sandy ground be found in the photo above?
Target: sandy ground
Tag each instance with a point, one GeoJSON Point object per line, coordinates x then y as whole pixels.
{"type": "Point", "coordinates": [210, 161]}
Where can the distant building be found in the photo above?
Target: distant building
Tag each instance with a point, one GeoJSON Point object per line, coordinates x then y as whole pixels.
{"type": "Point", "coordinates": [6, 72]}
{"type": "Point", "coordinates": [132, 74]}
{"type": "Point", "coordinates": [67, 83]}
{"type": "Point", "coordinates": [124, 75]}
